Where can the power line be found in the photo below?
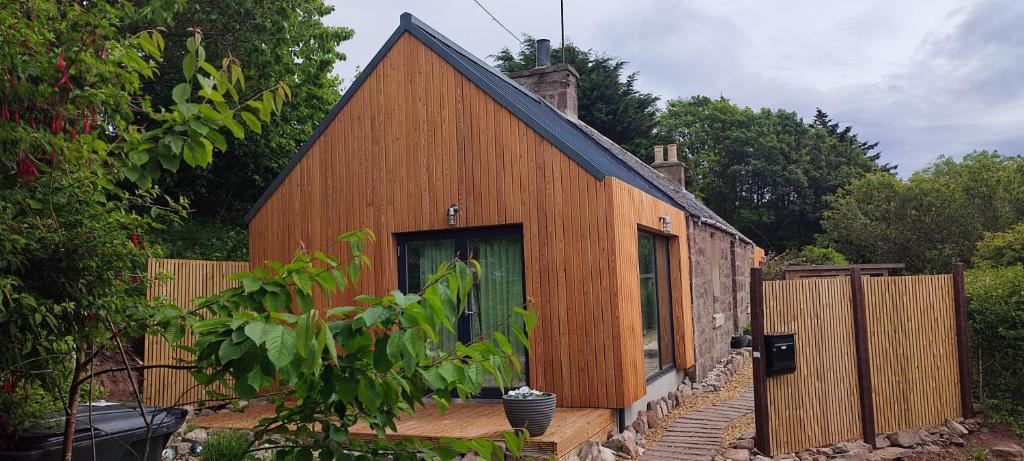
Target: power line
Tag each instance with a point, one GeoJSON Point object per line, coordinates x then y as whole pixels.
{"type": "Point", "coordinates": [482, 7]}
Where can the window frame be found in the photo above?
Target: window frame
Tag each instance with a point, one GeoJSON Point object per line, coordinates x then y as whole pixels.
{"type": "Point", "coordinates": [662, 261]}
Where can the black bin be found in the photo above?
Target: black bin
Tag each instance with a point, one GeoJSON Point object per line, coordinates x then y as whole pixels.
{"type": "Point", "coordinates": [120, 434]}
{"type": "Point", "coordinates": [780, 352]}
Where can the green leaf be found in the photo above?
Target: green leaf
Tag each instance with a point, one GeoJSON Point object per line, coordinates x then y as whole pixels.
{"type": "Point", "coordinates": [280, 344]}
{"type": "Point", "coordinates": [251, 121]}
{"type": "Point", "coordinates": [188, 66]}
{"type": "Point", "coordinates": [503, 342]}
{"type": "Point", "coordinates": [374, 315]}
{"type": "Point", "coordinates": [514, 442]}
{"type": "Point", "coordinates": [251, 284]}
{"type": "Point", "coordinates": [257, 331]}
{"type": "Point", "coordinates": [235, 127]}
{"type": "Point", "coordinates": [229, 350]}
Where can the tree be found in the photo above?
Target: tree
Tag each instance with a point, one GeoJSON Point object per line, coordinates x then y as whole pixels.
{"type": "Point", "coordinates": [275, 41]}
{"type": "Point", "coordinates": [78, 204]}
{"type": "Point", "coordinates": [1001, 249]}
{"type": "Point", "coordinates": [765, 172]}
{"type": "Point", "coordinates": [348, 364]}
{"type": "Point", "coordinates": [847, 136]}
{"type": "Point", "coordinates": [809, 255]}
{"type": "Point", "coordinates": [934, 218]}
{"type": "Point", "coordinates": [608, 98]}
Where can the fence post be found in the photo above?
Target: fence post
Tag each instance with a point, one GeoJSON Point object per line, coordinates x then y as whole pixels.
{"type": "Point", "coordinates": [762, 431]}
{"type": "Point", "coordinates": [963, 351]}
{"type": "Point", "coordinates": [860, 328]}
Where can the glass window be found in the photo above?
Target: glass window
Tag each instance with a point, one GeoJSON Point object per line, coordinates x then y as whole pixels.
{"type": "Point", "coordinates": [655, 303]}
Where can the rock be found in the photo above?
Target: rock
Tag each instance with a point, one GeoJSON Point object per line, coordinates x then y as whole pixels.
{"type": "Point", "coordinates": [1006, 454]}
{"type": "Point", "coordinates": [685, 391]}
{"type": "Point", "coordinates": [168, 454]}
{"type": "Point", "coordinates": [744, 444]}
{"type": "Point", "coordinates": [205, 412]}
{"type": "Point", "coordinates": [589, 451]}
{"type": "Point", "coordinates": [749, 434]}
{"type": "Point", "coordinates": [631, 449]}
{"type": "Point", "coordinates": [640, 425]}
{"type": "Point", "coordinates": [183, 448]}
{"type": "Point", "coordinates": [197, 435]}
{"type": "Point", "coordinates": [957, 441]}
{"type": "Point", "coordinates": [615, 443]}
{"type": "Point", "coordinates": [736, 454]}
{"type": "Point", "coordinates": [855, 455]}
{"type": "Point", "coordinates": [652, 405]}
{"type": "Point", "coordinates": [848, 447]}
{"type": "Point", "coordinates": [905, 439]}
{"type": "Point", "coordinates": [888, 453]}
{"type": "Point", "coordinates": [628, 434]}
{"type": "Point", "coordinates": [882, 442]}
{"type": "Point", "coordinates": [652, 420]}
{"type": "Point", "coordinates": [955, 427]}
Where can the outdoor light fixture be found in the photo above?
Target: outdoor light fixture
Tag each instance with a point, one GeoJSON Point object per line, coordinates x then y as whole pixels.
{"type": "Point", "coordinates": [666, 224]}
{"type": "Point", "coordinates": [452, 212]}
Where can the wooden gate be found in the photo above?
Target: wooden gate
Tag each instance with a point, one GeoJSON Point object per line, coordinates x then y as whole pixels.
{"type": "Point", "coordinates": [872, 354]}
{"type": "Point", "coordinates": [191, 279]}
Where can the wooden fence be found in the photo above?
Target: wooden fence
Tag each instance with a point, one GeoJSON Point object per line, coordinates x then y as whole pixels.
{"type": "Point", "coordinates": [872, 354]}
{"type": "Point", "coordinates": [191, 279]}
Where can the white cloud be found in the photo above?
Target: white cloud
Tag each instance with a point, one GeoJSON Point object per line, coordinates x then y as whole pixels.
{"type": "Point", "coordinates": [922, 77]}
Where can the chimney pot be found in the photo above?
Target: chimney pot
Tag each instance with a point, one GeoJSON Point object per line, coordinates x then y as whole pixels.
{"type": "Point", "coordinates": [659, 154]}
{"type": "Point", "coordinates": [673, 156]}
{"type": "Point", "coordinates": [543, 52]}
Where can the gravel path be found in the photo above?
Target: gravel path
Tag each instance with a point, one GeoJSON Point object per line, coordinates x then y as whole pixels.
{"type": "Point", "coordinates": [697, 435]}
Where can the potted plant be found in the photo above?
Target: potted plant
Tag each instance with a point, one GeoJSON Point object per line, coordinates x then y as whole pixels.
{"type": "Point", "coordinates": [529, 409]}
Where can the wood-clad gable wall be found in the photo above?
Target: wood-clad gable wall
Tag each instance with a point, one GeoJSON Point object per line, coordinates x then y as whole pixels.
{"type": "Point", "coordinates": [418, 136]}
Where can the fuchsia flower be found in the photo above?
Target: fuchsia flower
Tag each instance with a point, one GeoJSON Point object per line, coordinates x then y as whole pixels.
{"type": "Point", "coordinates": [26, 168]}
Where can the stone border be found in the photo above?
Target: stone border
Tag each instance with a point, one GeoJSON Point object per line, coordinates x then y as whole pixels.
{"type": "Point", "coordinates": [632, 442]}
{"type": "Point", "coordinates": [896, 445]}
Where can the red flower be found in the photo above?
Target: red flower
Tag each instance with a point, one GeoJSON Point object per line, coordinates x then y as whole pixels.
{"type": "Point", "coordinates": [26, 168]}
{"type": "Point", "coordinates": [135, 239]}
{"type": "Point", "coordinates": [60, 61]}
{"type": "Point", "coordinates": [10, 385]}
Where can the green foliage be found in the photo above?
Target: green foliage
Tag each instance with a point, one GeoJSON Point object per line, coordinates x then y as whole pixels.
{"type": "Point", "coordinates": [227, 446]}
{"type": "Point", "coordinates": [76, 202]}
{"type": "Point", "coordinates": [999, 249]}
{"type": "Point", "coordinates": [608, 98]}
{"type": "Point", "coordinates": [369, 362]}
{"type": "Point", "coordinates": [806, 256]}
{"type": "Point", "coordinates": [978, 454]}
{"type": "Point", "coordinates": [204, 238]}
{"type": "Point", "coordinates": [765, 172]}
{"type": "Point", "coordinates": [931, 220]}
{"type": "Point", "coordinates": [279, 41]}
{"type": "Point", "coordinates": [996, 318]}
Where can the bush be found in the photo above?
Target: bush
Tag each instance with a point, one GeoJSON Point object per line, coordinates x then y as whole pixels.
{"type": "Point", "coordinates": [806, 256]}
{"type": "Point", "coordinates": [227, 446]}
{"type": "Point", "coordinates": [199, 238]}
{"type": "Point", "coordinates": [1001, 249]}
{"type": "Point", "coordinates": [996, 319]}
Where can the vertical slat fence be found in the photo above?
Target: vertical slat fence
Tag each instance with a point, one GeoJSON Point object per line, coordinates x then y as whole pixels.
{"type": "Point", "coordinates": [872, 354]}
{"type": "Point", "coordinates": [191, 279]}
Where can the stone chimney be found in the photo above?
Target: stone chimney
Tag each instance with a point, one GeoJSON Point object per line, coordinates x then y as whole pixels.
{"type": "Point", "coordinates": [555, 83]}
{"type": "Point", "coordinates": [671, 167]}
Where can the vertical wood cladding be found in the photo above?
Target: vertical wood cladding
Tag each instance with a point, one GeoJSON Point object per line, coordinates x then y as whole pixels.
{"type": "Point", "coordinates": [417, 137]}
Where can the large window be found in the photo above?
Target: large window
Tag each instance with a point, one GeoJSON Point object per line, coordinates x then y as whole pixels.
{"type": "Point", "coordinates": [500, 288]}
{"type": "Point", "coordinates": [655, 303]}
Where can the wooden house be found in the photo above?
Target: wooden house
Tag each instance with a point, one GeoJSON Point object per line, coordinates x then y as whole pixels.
{"type": "Point", "coordinates": [442, 155]}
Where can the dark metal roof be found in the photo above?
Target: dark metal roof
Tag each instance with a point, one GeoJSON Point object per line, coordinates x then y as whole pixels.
{"type": "Point", "coordinates": [598, 155]}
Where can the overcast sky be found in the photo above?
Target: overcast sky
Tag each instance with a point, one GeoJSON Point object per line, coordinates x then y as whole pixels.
{"type": "Point", "coordinates": [923, 78]}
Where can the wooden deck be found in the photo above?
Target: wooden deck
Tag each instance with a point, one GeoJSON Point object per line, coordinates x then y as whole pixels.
{"type": "Point", "coordinates": [465, 420]}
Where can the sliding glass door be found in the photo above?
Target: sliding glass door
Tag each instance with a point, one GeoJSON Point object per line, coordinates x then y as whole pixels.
{"type": "Point", "coordinates": [655, 303]}
{"type": "Point", "coordinates": [499, 288]}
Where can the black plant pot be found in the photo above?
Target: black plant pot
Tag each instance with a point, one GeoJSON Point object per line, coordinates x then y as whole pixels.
{"type": "Point", "coordinates": [533, 414]}
{"type": "Point", "coordinates": [740, 341]}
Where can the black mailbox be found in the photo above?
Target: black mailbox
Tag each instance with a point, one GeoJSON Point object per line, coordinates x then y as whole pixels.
{"type": "Point", "coordinates": [780, 349]}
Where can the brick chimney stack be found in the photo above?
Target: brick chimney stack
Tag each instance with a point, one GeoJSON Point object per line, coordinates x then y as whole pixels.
{"type": "Point", "coordinates": [555, 83]}
{"type": "Point", "coordinates": [671, 167]}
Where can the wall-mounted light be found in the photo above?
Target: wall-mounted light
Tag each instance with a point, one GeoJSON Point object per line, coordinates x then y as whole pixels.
{"type": "Point", "coordinates": [666, 223]}
{"type": "Point", "coordinates": [453, 211]}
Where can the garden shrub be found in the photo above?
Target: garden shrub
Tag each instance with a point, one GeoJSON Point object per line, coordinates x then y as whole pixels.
{"type": "Point", "coordinates": [996, 320]}
{"type": "Point", "coordinates": [227, 446]}
{"type": "Point", "coordinates": [1000, 249]}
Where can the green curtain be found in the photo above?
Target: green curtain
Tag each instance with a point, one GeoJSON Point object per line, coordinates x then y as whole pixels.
{"type": "Point", "coordinates": [500, 288]}
{"type": "Point", "coordinates": [424, 259]}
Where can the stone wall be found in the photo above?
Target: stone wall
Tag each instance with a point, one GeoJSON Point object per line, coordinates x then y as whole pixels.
{"type": "Point", "coordinates": [715, 293]}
